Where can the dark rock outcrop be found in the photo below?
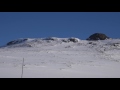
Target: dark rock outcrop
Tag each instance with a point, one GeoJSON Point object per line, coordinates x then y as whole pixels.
{"type": "Point", "coordinates": [73, 39]}
{"type": "Point", "coordinates": [98, 36]}
{"type": "Point", "coordinates": [16, 41]}
{"type": "Point", "coordinates": [51, 38]}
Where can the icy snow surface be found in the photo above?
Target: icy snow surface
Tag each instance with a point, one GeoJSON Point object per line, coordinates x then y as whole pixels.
{"type": "Point", "coordinates": [61, 58]}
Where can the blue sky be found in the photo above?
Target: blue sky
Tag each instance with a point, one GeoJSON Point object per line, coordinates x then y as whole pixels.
{"type": "Point", "coordinates": [14, 25]}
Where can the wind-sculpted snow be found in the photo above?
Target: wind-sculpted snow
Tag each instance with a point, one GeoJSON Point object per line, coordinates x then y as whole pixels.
{"type": "Point", "coordinates": [61, 57]}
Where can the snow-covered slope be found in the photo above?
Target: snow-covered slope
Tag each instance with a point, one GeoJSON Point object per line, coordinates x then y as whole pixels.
{"type": "Point", "coordinates": [60, 57]}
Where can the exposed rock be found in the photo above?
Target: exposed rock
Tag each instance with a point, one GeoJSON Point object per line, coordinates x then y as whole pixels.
{"type": "Point", "coordinates": [92, 43]}
{"type": "Point", "coordinates": [65, 40]}
{"type": "Point", "coordinates": [51, 38]}
{"type": "Point", "coordinates": [16, 41]}
{"type": "Point", "coordinates": [98, 36]}
{"type": "Point", "coordinates": [73, 39]}
{"type": "Point", "coordinates": [116, 44]}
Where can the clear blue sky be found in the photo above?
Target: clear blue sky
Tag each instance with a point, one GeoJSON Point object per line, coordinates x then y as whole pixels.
{"type": "Point", "coordinates": [14, 25]}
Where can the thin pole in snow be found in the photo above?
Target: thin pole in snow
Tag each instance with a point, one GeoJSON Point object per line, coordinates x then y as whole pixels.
{"type": "Point", "coordinates": [22, 68]}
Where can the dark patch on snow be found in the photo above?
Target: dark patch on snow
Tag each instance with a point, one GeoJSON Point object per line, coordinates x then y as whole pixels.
{"type": "Point", "coordinates": [92, 43]}
{"type": "Point", "coordinates": [16, 41]}
{"type": "Point", "coordinates": [71, 40]}
{"type": "Point", "coordinates": [51, 38]}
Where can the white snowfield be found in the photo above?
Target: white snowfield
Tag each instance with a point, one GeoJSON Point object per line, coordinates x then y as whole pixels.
{"type": "Point", "coordinates": [61, 58]}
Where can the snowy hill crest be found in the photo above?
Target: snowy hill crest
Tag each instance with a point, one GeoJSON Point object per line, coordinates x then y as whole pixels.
{"type": "Point", "coordinates": [60, 57]}
{"type": "Point", "coordinates": [29, 42]}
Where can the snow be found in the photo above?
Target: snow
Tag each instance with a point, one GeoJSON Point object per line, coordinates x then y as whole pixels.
{"type": "Point", "coordinates": [54, 58]}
